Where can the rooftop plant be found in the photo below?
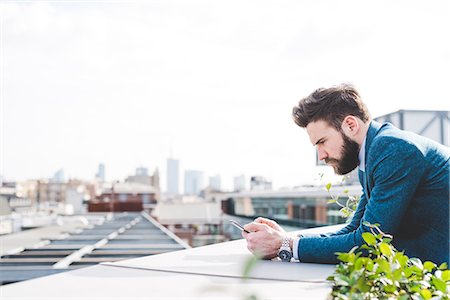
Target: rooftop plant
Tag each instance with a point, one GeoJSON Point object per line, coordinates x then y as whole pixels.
{"type": "Point", "coordinates": [377, 270]}
{"type": "Point", "coordinates": [385, 273]}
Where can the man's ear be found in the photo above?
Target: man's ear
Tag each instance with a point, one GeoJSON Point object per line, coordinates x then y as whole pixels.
{"type": "Point", "coordinates": [350, 126]}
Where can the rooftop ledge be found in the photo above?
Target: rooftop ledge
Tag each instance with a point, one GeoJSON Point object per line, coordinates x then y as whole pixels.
{"type": "Point", "coordinates": [208, 272]}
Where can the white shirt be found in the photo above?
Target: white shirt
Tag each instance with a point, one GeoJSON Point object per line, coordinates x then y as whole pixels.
{"type": "Point", "coordinates": [362, 156]}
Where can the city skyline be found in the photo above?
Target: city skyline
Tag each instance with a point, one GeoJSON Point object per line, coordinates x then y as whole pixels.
{"type": "Point", "coordinates": [214, 180]}
{"type": "Point", "coordinates": [213, 84]}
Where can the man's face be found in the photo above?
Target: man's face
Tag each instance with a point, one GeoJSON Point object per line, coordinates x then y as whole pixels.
{"type": "Point", "coordinates": [333, 146]}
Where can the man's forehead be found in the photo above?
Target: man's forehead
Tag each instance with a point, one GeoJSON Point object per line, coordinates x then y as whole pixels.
{"type": "Point", "coordinates": [318, 130]}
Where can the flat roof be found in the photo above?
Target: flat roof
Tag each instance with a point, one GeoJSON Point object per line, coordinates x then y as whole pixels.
{"type": "Point", "coordinates": [209, 272]}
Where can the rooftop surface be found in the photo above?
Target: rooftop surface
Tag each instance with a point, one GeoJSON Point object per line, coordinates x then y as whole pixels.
{"type": "Point", "coordinates": [209, 272]}
{"type": "Point", "coordinates": [117, 237]}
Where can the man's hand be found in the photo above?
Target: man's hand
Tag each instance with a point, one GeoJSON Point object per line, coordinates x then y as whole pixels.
{"type": "Point", "coordinates": [265, 237]}
{"type": "Point", "coordinates": [271, 223]}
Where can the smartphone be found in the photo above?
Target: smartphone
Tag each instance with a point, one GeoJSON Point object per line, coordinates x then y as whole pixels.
{"type": "Point", "coordinates": [238, 225]}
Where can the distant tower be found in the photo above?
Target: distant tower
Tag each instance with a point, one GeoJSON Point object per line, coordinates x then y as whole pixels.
{"type": "Point", "coordinates": [59, 176]}
{"type": "Point", "coordinates": [155, 180]}
{"type": "Point", "coordinates": [100, 172]}
{"type": "Point", "coordinates": [215, 182]}
{"type": "Point", "coordinates": [193, 182]}
{"type": "Point", "coordinates": [141, 171]}
{"type": "Point", "coordinates": [173, 176]}
{"type": "Point", "coordinates": [239, 183]}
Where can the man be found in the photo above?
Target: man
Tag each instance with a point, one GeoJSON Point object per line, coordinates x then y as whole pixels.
{"type": "Point", "coordinates": [405, 180]}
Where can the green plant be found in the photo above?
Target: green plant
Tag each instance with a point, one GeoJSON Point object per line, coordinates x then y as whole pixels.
{"type": "Point", "coordinates": [385, 273]}
{"type": "Point", "coordinates": [348, 208]}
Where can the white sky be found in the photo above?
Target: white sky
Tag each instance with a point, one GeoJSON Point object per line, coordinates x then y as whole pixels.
{"type": "Point", "coordinates": [123, 82]}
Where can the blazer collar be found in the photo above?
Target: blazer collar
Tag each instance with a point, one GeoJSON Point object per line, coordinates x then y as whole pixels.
{"type": "Point", "coordinates": [374, 127]}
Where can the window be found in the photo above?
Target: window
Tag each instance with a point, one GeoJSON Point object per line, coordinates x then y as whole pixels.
{"type": "Point", "coordinates": [123, 197]}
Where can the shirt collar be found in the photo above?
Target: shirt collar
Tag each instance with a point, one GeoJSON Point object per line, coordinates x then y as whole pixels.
{"type": "Point", "coordinates": [362, 156]}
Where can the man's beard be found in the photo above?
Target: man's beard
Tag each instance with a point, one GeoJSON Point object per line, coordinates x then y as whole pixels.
{"type": "Point", "coordinates": [349, 157]}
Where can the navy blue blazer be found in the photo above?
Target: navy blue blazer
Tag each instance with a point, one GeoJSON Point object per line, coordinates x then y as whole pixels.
{"type": "Point", "coordinates": [405, 190]}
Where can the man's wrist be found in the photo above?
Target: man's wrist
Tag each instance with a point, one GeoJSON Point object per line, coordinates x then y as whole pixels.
{"type": "Point", "coordinates": [285, 250]}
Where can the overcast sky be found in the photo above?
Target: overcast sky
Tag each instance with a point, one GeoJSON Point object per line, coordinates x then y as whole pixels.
{"type": "Point", "coordinates": [214, 82]}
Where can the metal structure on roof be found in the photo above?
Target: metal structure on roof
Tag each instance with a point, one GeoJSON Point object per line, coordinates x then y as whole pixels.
{"type": "Point", "coordinates": [434, 124]}
{"type": "Point", "coordinates": [124, 236]}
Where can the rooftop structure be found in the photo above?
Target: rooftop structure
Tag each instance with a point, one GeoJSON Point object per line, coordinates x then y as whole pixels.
{"type": "Point", "coordinates": [302, 207]}
{"type": "Point", "coordinates": [113, 238]}
{"type": "Point", "coordinates": [433, 124]}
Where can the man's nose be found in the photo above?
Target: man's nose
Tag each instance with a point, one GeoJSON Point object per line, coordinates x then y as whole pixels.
{"type": "Point", "coordinates": [321, 153]}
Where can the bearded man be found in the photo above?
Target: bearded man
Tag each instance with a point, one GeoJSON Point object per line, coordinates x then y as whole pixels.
{"type": "Point", "coordinates": [404, 176]}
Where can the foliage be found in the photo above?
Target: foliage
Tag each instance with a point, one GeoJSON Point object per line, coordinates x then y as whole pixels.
{"type": "Point", "coordinates": [348, 208]}
{"type": "Point", "coordinates": [385, 273]}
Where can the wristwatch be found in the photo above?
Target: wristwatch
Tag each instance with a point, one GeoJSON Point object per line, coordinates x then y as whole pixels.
{"type": "Point", "coordinates": [285, 252]}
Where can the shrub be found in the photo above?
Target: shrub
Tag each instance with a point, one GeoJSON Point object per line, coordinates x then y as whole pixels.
{"type": "Point", "coordinates": [385, 273]}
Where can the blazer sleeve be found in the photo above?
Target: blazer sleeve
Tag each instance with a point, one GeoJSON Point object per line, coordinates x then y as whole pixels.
{"type": "Point", "coordinates": [395, 172]}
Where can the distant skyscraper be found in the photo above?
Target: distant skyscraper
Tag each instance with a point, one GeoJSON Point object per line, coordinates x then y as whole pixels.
{"type": "Point", "coordinates": [156, 179]}
{"type": "Point", "coordinates": [193, 182]}
{"type": "Point", "coordinates": [173, 176]}
{"type": "Point", "coordinates": [239, 183]}
{"type": "Point", "coordinates": [100, 172]}
{"type": "Point", "coordinates": [141, 171]}
{"type": "Point", "coordinates": [59, 176]}
{"type": "Point", "coordinates": [215, 182]}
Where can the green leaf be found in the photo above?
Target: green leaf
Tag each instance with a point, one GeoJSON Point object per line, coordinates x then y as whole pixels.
{"type": "Point", "coordinates": [429, 266]}
{"type": "Point", "coordinates": [342, 280]}
{"type": "Point", "coordinates": [443, 266]}
{"type": "Point", "coordinates": [328, 186]}
{"type": "Point", "coordinates": [385, 249]}
{"type": "Point", "coordinates": [397, 274]}
{"type": "Point", "coordinates": [249, 265]}
{"type": "Point", "coordinates": [390, 288]}
{"type": "Point", "coordinates": [401, 258]}
{"type": "Point", "coordinates": [425, 293]}
{"type": "Point", "coordinates": [369, 238]}
{"type": "Point", "coordinates": [345, 257]}
{"type": "Point", "coordinates": [360, 262]}
{"type": "Point", "coordinates": [445, 275]}
{"type": "Point", "coordinates": [439, 284]}
{"type": "Point", "coordinates": [387, 240]}
{"type": "Point", "coordinates": [408, 272]}
{"type": "Point", "coordinates": [369, 265]}
{"type": "Point", "coordinates": [384, 266]}
{"type": "Point", "coordinates": [331, 201]}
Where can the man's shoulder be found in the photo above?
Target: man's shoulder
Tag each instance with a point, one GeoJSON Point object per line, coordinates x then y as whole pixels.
{"type": "Point", "coordinates": [390, 137]}
{"type": "Point", "coordinates": [390, 140]}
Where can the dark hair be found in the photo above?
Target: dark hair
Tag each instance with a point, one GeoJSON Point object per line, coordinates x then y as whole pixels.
{"type": "Point", "coordinates": [331, 105]}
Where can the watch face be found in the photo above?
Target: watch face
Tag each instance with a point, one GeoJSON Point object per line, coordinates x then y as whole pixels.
{"type": "Point", "coordinates": [285, 255]}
